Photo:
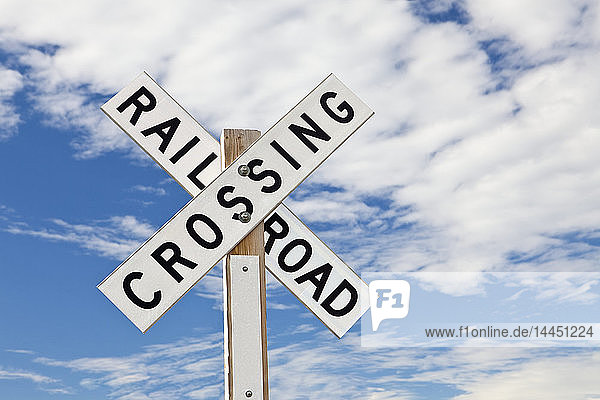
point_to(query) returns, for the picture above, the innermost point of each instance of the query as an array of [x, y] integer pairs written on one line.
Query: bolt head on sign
[[166, 266]]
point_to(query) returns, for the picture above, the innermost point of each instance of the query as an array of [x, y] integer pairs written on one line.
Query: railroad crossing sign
[[229, 204]]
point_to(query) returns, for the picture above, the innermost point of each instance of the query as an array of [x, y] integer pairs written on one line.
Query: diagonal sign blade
[[168, 133], [152, 279]]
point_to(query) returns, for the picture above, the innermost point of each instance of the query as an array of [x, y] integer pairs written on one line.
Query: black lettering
[[189, 226], [286, 250], [134, 100], [233, 202], [273, 234], [147, 305], [287, 156], [264, 174], [193, 176], [324, 270], [344, 106], [175, 258], [171, 126], [345, 285], [183, 151], [316, 132]]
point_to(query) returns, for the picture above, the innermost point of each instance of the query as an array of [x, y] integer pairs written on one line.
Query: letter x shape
[[185, 150]]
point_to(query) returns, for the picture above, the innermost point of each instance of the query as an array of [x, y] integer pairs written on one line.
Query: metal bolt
[[248, 393], [244, 216], [245, 269], [243, 170]]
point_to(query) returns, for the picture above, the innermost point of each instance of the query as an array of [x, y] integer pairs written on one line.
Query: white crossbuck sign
[[228, 204]]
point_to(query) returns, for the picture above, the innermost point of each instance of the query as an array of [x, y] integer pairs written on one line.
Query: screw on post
[[244, 217], [244, 170]]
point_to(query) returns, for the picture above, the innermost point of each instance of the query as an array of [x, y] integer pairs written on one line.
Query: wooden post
[[246, 366]]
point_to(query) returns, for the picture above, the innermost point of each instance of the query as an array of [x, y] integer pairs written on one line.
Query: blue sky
[[482, 156]]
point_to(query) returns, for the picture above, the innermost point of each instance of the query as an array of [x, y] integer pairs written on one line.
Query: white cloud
[[259, 62], [31, 376], [10, 82], [538, 26], [58, 391], [71, 105], [211, 286], [553, 379], [186, 368], [207, 392], [562, 287], [272, 305], [157, 191], [304, 328], [333, 208], [115, 237], [474, 183], [20, 351]]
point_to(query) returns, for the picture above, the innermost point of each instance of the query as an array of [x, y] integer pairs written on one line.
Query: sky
[[482, 156]]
